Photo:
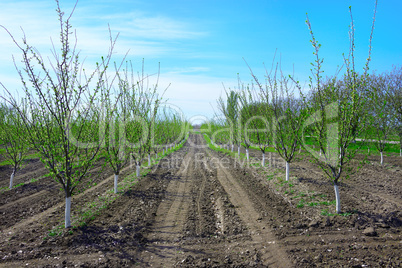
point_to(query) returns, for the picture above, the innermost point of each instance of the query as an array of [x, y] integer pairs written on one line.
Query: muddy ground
[[201, 208]]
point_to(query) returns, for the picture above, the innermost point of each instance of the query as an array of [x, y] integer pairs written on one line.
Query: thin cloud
[[189, 70], [136, 25]]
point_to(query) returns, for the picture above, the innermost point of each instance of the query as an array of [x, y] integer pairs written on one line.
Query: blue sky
[[201, 44]]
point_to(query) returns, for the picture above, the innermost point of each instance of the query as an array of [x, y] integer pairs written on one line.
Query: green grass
[[361, 146], [301, 203], [325, 212]]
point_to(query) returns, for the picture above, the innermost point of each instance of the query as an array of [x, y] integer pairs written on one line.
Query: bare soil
[[201, 208]]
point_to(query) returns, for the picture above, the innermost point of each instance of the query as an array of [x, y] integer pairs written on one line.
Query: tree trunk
[[149, 160], [263, 159], [238, 150], [12, 179], [337, 198], [138, 170], [287, 171], [247, 154], [232, 147], [382, 158], [116, 177], [67, 219]]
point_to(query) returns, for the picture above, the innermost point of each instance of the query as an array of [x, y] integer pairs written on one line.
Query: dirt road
[[192, 226]]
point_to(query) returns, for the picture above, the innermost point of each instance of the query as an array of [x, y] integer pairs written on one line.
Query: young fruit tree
[[230, 110], [13, 137], [61, 98], [336, 114], [219, 132], [256, 127], [382, 114], [250, 115], [115, 113], [285, 113], [142, 107], [394, 93]]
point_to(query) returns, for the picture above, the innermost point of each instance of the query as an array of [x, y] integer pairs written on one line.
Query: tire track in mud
[[262, 238], [200, 221], [170, 218], [208, 218]]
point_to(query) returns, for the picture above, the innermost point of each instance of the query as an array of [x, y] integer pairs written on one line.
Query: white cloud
[[145, 36], [195, 94], [138, 25]]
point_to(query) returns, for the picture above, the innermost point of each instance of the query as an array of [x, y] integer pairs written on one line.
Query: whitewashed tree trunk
[[12, 179], [232, 147], [116, 177], [382, 158], [247, 154], [287, 171], [138, 170], [67, 219], [149, 160], [238, 150], [300, 149], [337, 198], [263, 159]]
